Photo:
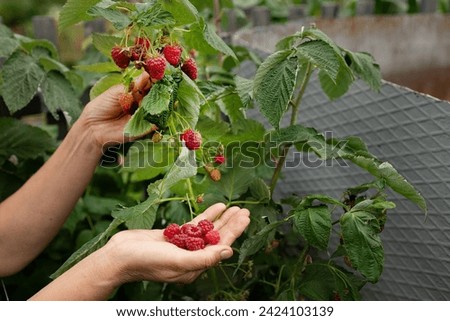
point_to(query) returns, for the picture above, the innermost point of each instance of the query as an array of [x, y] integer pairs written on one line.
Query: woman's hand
[[146, 255], [104, 118]]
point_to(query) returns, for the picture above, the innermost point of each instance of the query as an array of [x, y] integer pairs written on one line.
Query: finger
[[235, 227], [211, 213], [141, 87], [204, 259], [225, 217]]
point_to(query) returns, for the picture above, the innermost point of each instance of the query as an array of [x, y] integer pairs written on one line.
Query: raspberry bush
[[201, 148]]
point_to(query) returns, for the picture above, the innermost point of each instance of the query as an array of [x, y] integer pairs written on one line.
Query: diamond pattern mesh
[[412, 132]]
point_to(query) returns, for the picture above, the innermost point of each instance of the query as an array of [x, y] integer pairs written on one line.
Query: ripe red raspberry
[[191, 230], [172, 53], [192, 139], [121, 56], [155, 67], [194, 243], [179, 240], [219, 159], [215, 175], [190, 68], [137, 53], [206, 226], [142, 42], [171, 230], [126, 101], [212, 237]]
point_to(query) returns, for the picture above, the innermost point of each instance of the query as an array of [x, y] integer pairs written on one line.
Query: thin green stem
[[190, 207], [192, 195], [299, 97], [171, 199], [243, 202], [299, 267], [227, 278]]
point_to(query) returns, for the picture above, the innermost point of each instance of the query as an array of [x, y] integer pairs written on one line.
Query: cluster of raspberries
[[192, 237], [153, 63], [154, 60]]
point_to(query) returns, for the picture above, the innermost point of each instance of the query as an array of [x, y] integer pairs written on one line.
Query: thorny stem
[[295, 105], [299, 266]]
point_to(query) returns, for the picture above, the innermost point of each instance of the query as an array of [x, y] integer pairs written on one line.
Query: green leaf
[[50, 64], [321, 55], [212, 131], [256, 242], [274, 85], [144, 220], [158, 99], [127, 214], [58, 94], [140, 216], [9, 43], [259, 190], [335, 89], [235, 182], [314, 224], [23, 141], [23, 76], [190, 98], [105, 83], [288, 42], [39, 47], [118, 19], [230, 104], [360, 232], [203, 37], [291, 134], [317, 34], [364, 66], [99, 205], [88, 248], [246, 130], [104, 43], [184, 167], [392, 178], [215, 41], [182, 10], [75, 11], [353, 149], [137, 125], [146, 160], [244, 88], [308, 200], [321, 282], [152, 15]]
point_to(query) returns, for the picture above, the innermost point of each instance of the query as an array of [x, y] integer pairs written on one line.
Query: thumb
[[208, 257]]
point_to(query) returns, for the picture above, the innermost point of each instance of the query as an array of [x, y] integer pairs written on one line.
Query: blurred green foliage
[[19, 12]]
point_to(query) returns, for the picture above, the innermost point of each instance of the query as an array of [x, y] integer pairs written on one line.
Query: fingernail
[[226, 254]]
